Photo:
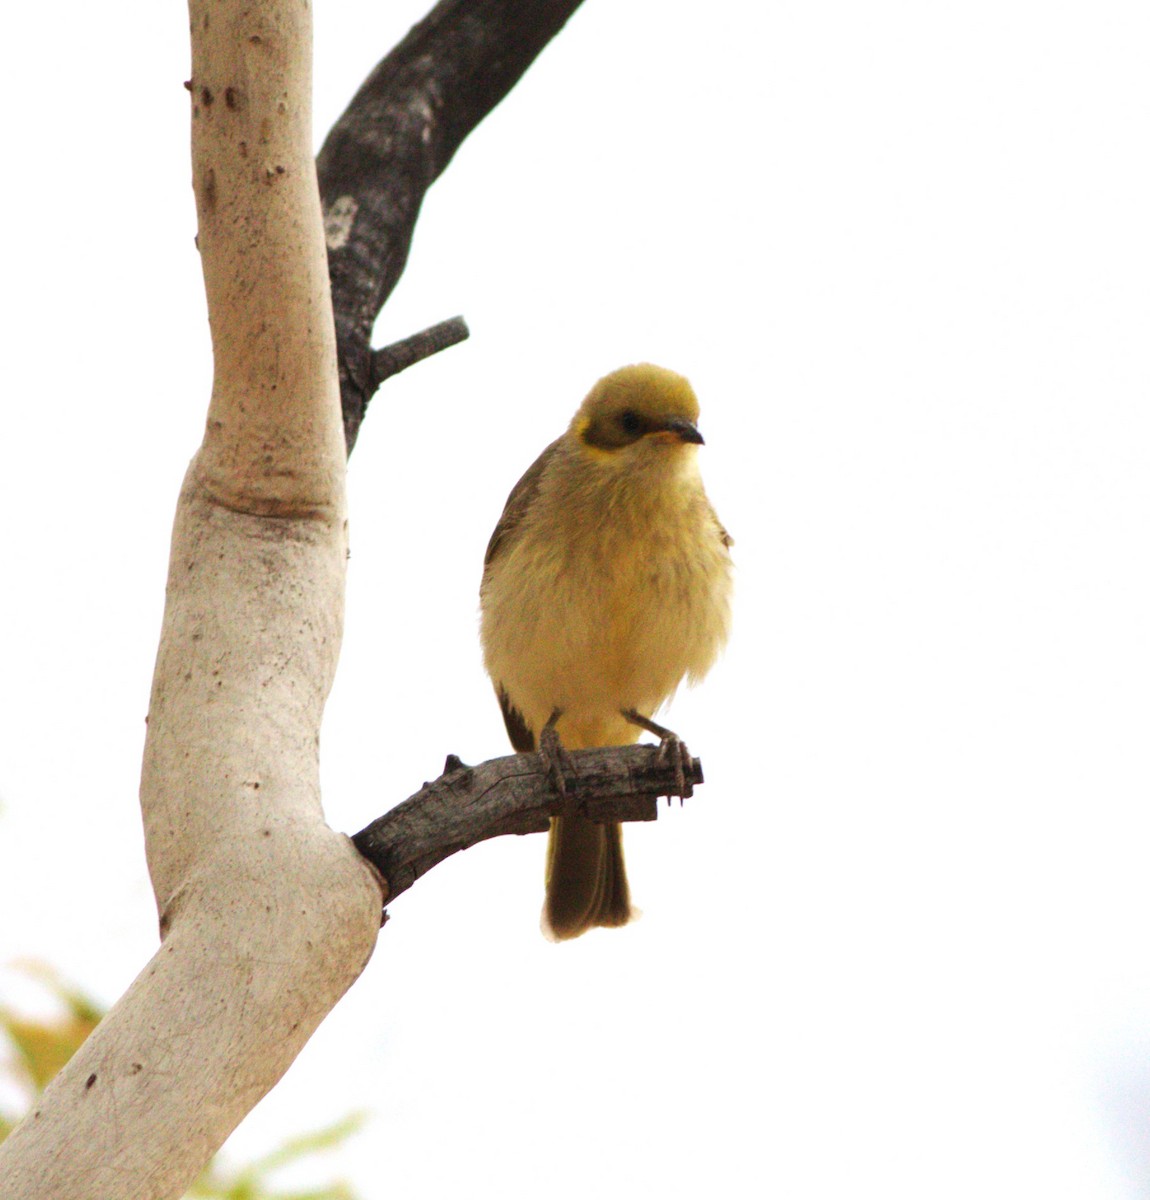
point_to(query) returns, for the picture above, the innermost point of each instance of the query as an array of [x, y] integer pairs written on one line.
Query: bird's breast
[[594, 618]]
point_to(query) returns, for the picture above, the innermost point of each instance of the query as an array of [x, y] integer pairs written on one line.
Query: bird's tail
[[586, 878]]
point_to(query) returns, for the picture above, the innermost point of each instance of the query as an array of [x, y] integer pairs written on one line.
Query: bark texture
[[517, 794], [267, 915], [397, 136]]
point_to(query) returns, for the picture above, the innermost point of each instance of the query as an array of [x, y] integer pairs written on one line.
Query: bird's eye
[[631, 422]]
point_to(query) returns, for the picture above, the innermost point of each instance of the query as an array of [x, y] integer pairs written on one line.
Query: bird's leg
[[555, 758], [670, 745]]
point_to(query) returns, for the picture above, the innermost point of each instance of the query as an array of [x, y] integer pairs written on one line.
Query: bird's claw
[[671, 746], [556, 760]]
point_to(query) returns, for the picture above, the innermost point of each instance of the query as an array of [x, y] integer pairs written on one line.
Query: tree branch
[[267, 915], [515, 794], [398, 134], [406, 353]]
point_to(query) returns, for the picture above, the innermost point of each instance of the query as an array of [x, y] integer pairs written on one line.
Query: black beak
[[685, 430]]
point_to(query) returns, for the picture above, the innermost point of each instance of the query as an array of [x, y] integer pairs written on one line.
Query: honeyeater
[[606, 583]]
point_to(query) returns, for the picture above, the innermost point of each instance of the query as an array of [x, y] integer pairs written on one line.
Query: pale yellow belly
[[598, 633]]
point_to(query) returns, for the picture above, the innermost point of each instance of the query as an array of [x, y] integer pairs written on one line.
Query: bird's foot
[[555, 758], [671, 746]]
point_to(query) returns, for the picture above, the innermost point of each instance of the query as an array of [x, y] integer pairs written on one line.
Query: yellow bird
[[606, 582]]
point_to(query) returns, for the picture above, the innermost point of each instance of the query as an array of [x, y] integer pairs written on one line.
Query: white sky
[[897, 945]]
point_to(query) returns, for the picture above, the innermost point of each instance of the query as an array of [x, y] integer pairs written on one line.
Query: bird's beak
[[683, 431]]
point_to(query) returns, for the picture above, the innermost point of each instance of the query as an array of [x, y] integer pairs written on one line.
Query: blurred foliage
[[251, 1182], [38, 1049], [32, 1051]]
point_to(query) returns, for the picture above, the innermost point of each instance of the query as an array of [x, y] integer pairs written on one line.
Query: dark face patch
[[613, 430]]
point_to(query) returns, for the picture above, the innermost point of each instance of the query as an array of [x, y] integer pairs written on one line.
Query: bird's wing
[[522, 739], [518, 503], [522, 494]]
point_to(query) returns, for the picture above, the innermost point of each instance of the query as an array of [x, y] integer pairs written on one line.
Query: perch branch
[[397, 135], [515, 794]]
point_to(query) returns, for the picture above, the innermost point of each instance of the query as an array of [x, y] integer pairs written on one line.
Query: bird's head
[[641, 410]]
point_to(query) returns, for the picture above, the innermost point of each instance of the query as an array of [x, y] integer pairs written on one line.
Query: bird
[[606, 583]]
